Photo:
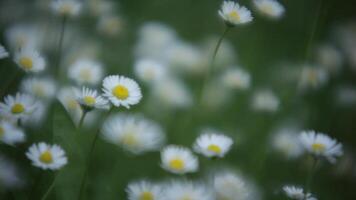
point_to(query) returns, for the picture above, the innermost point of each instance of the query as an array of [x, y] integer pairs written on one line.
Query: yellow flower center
[[2, 131], [146, 196], [129, 139], [214, 148], [177, 164], [89, 100], [234, 15], [17, 108], [46, 157], [85, 74], [26, 63], [120, 92], [318, 147]]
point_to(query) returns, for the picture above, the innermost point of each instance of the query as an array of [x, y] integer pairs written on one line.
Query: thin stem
[[60, 46], [82, 119], [48, 192], [311, 174], [90, 157]]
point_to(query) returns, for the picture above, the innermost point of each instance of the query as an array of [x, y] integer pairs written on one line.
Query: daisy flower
[[133, 133], [47, 156], [270, 8], [149, 70], [178, 160], [297, 193], [184, 190], [236, 78], [265, 101], [30, 60], [143, 190], [66, 8], [110, 25], [229, 185], [212, 144], [233, 14], [20, 36], [67, 97], [312, 77], [121, 91], [285, 141], [86, 72], [10, 134], [19, 106], [42, 88], [90, 99], [321, 145], [3, 52]]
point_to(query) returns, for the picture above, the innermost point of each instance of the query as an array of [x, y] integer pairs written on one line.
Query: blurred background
[[314, 39]]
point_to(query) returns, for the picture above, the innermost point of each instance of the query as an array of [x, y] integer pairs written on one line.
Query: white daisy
[[228, 185], [312, 77], [233, 14], [265, 100], [185, 190], [149, 70], [90, 99], [211, 144], [30, 60], [270, 8], [110, 25], [321, 145], [236, 78], [144, 190], [47, 156], [297, 193], [133, 133], [3, 52], [19, 106], [43, 88], [67, 97], [21, 36], [121, 91], [86, 71], [67, 8], [178, 160], [285, 141], [11, 134]]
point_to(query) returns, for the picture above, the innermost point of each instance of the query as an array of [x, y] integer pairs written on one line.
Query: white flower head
[[110, 25], [178, 160], [236, 78], [144, 190], [67, 97], [285, 141], [184, 190], [229, 185], [233, 14], [30, 60], [312, 77], [90, 99], [42, 88], [10, 134], [149, 70], [212, 144], [266, 101], [67, 8], [86, 72], [321, 145], [270, 8], [47, 156], [3, 52], [19, 106], [133, 133], [20, 36], [121, 91], [297, 193]]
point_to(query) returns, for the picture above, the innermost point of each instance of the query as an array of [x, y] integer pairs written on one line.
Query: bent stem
[[50, 188], [311, 174], [90, 157]]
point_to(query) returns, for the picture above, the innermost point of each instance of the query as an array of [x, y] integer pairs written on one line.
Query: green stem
[[60, 46], [311, 174], [82, 119], [50, 188]]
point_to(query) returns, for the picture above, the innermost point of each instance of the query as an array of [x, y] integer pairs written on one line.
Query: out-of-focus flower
[[265, 100], [10, 176], [149, 70], [144, 190], [321, 145], [67, 97], [270, 8], [285, 141], [110, 25], [184, 190], [42, 88], [236, 78], [38, 115], [312, 77], [66, 8], [10, 134], [345, 95], [178, 160], [3, 52], [21, 36], [121, 91], [347, 36], [47, 156], [212, 144], [329, 57], [86, 72], [133, 133], [19, 106], [297, 193], [233, 14], [90, 99], [30, 60], [101, 7], [226, 56]]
